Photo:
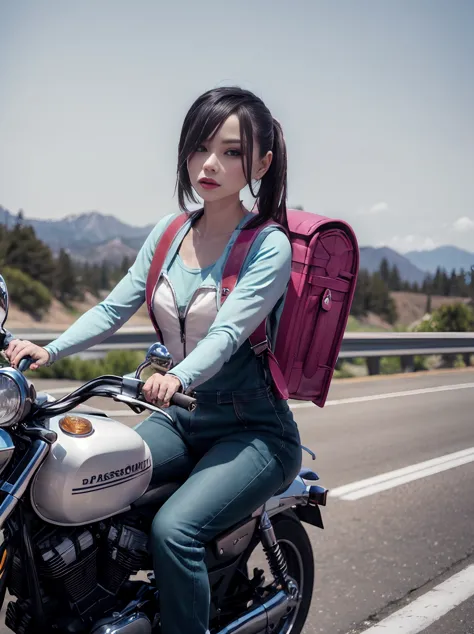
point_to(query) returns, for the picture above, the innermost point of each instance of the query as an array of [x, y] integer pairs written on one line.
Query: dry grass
[[411, 307], [59, 317]]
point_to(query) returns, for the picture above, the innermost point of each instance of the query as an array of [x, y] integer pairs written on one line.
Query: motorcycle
[[76, 507]]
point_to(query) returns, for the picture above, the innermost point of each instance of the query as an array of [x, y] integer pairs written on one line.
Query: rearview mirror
[[158, 358], [3, 304]]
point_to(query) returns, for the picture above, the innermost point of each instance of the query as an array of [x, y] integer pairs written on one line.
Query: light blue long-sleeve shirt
[[262, 282]]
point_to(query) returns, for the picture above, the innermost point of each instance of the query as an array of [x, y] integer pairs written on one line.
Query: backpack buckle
[[260, 348], [326, 302]]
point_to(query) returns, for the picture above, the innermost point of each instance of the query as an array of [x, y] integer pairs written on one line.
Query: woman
[[241, 444]]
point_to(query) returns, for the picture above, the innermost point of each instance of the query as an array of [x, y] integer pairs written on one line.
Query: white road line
[[424, 611], [391, 479], [380, 397]]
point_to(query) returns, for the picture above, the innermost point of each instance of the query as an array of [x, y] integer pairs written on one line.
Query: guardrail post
[[373, 365], [408, 363], [467, 359]]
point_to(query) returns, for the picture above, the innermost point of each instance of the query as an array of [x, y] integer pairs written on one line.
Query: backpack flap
[[325, 263]]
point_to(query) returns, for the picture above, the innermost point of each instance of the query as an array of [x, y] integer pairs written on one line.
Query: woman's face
[[215, 169]]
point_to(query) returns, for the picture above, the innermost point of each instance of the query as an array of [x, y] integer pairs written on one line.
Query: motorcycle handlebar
[[179, 399], [25, 364], [184, 401], [96, 386]]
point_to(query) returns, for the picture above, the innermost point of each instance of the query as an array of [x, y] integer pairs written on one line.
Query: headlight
[[14, 396]]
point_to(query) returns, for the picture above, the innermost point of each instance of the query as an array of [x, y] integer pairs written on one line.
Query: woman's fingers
[[150, 389], [159, 389], [168, 388], [155, 387], [19, 351], [12, 347], [19, 348]]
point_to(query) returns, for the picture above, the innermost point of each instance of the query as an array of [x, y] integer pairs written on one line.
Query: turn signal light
[[2, 563], [318, 495], [76, 426]]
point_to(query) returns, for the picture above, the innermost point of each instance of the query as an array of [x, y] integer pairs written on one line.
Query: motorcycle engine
[[85, 566]]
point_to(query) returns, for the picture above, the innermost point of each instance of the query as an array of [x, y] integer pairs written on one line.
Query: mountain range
[[90, 236], [96, 237], [447, 257]]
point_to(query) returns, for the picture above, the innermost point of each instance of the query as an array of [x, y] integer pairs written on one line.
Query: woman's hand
[[20, 348], [159, 389]]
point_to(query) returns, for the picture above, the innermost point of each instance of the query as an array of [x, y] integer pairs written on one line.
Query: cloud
[[411, 242], [463, 224], [378, 208]]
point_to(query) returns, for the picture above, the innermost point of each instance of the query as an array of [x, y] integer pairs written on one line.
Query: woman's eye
[[234, 153], [201, 148]]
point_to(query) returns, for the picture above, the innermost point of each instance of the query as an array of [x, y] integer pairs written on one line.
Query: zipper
[[200, 288], [151, 313], [180, 320]]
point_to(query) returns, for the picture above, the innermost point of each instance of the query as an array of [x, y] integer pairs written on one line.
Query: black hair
[[206, 116]]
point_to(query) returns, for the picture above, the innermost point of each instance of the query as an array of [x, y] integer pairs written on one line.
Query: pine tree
[[66, 287], [427, 286], [385, 270], [4, 235], [445, 284], [104, 276], [394, 282], [30, 255], [380, 302], [94, 282], [125, 265], [360, 302]]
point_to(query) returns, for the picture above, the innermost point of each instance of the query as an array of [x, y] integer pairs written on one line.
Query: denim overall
[[236, 450]]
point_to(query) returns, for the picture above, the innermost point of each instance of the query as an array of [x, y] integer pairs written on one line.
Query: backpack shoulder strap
[[237, 256], [162, 247], [258, 339]]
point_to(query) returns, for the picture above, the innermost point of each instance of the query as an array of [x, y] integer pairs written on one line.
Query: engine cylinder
[[71, 560], [126, 552]]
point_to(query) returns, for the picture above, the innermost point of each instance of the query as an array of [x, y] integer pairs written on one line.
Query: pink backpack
[[324, 268]]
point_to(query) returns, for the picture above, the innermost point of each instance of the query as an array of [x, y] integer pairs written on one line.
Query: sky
[[376, 99]]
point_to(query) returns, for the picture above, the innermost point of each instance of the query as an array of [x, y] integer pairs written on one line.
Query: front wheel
[[297, 550]]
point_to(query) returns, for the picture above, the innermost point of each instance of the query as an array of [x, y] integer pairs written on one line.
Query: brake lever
[[130, 401], [135, 405]]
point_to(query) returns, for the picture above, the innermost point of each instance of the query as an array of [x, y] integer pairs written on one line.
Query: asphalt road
[[387, 550]]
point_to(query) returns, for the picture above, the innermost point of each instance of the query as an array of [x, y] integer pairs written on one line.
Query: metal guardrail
[[399, 344], [355, 344]]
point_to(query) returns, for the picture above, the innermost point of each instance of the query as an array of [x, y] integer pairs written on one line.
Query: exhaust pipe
[[258, 620]]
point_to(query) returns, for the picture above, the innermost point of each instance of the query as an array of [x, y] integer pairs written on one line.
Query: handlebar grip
[[184, 401], [25, 364]]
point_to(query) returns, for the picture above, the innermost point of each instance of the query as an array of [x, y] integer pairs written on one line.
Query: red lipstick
[[208, 183]]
